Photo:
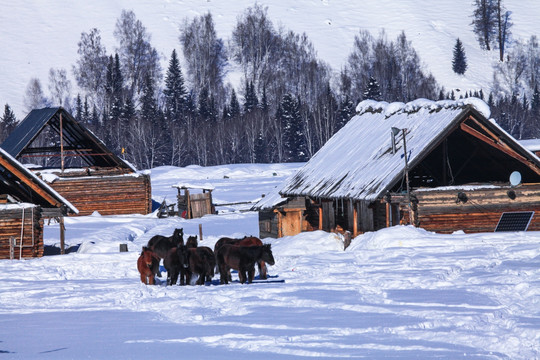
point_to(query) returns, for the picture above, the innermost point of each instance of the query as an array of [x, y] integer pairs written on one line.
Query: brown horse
[[245, 241], [243, 259], [175, 260], [202, 262], [148, 264]]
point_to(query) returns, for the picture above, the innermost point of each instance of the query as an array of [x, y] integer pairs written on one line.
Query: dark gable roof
[[76, 138]]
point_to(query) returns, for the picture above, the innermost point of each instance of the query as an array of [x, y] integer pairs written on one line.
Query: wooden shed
[[73, 161], [194, 201], [25, 200], [416, 163], [280, 216]]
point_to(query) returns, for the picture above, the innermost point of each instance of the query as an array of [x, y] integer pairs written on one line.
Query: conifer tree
[[260, 148], [346, 112], [148, 101], [175, 90], [373, 90], [250, 100], [459, 61], [79, 109], [8, 123], [234, 106], [293, 136]]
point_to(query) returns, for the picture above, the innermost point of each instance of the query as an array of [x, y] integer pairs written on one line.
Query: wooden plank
[[28, 181]]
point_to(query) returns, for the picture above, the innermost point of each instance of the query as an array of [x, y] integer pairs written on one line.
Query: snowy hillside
[[39, 35], [400, 293]]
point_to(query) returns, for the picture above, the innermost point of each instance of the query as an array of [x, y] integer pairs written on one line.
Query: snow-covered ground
[[39, 35], [398, 293]]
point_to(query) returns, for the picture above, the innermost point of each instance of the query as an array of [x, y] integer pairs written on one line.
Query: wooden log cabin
[[443, 166], [25, 201], [78, 165]]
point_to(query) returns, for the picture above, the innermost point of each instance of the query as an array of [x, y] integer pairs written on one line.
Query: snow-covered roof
[[30, 175], [358, 161], [531, 144], [271, 199], [206, 186]]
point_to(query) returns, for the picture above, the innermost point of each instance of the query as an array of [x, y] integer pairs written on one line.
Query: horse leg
[[223, 274], [242, 275], [251, 274], [200, 280], [151, 279], [262, 270]]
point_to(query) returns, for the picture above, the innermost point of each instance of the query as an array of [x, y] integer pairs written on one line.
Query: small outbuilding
[[443, 166], [74, 162], [25, 200]]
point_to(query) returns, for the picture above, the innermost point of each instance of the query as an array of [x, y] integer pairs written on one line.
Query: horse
[[201, 261], [243, 259], [175, 260], [245, 241], [148, 266], [192, 242], [160, 244]]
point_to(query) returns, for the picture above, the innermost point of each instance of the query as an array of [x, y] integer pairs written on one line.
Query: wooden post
[[61, 145], [355, 219], [62, 235], [388, 214], [320, 217], [407, 173], [188, 205], [279, 224], [200, 232], [12, 242]]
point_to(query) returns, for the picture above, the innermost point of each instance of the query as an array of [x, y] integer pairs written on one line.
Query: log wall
[[11, 221], [109, 195], [442, 211]]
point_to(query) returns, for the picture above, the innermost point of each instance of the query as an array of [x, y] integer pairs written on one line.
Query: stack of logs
[[12, 221], [108, 195]]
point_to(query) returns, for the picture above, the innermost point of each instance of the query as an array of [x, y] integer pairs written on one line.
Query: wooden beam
[[355, 217], [28, 181], [500, 146]]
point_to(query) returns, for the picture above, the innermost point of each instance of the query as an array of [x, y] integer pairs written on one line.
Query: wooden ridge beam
[[496, 143]]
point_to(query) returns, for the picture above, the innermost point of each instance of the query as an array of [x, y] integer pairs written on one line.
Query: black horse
[[202, 261], [162, 244], [243, 259], [175, 260], [192, 242]]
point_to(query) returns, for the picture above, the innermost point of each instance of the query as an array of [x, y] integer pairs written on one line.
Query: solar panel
[[514, 221]]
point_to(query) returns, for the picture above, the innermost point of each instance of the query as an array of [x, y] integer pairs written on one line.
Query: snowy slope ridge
[[39, 35], [400, 293]]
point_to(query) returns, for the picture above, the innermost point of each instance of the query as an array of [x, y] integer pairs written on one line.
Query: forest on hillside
[[290, 102]]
